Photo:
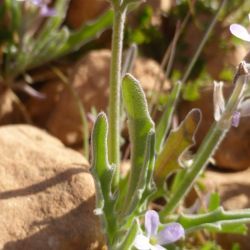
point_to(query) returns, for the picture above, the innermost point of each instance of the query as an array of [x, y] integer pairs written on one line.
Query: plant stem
[[82, 113], [202, 43], [115, 87], [211, 142]]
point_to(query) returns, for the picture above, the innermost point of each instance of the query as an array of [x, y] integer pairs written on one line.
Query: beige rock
[[234, 151], [11, 109], [90, 80], [47, 194], [40, 109], [234, 189]]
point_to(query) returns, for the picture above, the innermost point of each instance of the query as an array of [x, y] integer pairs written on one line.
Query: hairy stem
[[211, 142], [115, 87]]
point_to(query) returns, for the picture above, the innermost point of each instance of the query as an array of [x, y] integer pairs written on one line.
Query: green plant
[[31, 38], [156, 153]]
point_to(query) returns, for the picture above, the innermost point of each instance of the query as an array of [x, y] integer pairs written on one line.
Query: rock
[[12, 110], [90, 80], [47, 195], [234, 189], [80, 12], [40, 109], [234, 151]]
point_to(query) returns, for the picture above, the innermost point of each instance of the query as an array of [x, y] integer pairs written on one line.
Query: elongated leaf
[[178, 142], [87, 33], [129, 59], [100, 164], [103, 173], [131, 234], [165, 122], [217, 220], [144, 181], [15, 12], [53, 23], [140, 124]]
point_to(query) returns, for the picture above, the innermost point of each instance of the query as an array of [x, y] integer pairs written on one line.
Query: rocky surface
[[234, 151], [89, 78], [47, 194], [12, 110]]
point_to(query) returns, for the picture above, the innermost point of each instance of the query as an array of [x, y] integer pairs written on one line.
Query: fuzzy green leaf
[[88, 32], [144, 182], [140, 124], [100, 164], [178, 142], [103, 174]]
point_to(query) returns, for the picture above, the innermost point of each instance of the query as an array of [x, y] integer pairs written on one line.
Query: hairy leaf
[[140, 125], [103, 173], [88, 32]]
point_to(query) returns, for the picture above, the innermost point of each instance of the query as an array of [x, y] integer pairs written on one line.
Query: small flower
[[46, 11], [42, 5], [154, 239], [218, 98], [240, 31], [235, 119], [242, 111]]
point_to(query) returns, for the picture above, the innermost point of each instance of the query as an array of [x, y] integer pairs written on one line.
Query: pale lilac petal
[[31, 91], [46, 11], [245, 108], [142, 242], [158, 247], [240, 32], [37, 2], [219, 102], [236, 119], [151, 222], [171, 233]]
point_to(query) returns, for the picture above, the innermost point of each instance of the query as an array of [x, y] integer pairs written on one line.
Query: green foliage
[[217, 220], [140, 127], [178, 142], [103, 173], [210, 246], [30, 46], [121, 205], [164, 124], [214, 201], [135, 190], [144, 32]]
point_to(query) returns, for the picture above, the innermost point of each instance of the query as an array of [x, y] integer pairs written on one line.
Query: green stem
[[115, 88], [203, 41], [190, 222], [211, 142], [82, 113]]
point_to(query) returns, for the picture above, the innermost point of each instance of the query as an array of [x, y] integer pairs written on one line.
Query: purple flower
[[242, 111], [235, 119], [42, 5], [240, 31], [46, 11], [154, 240]]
